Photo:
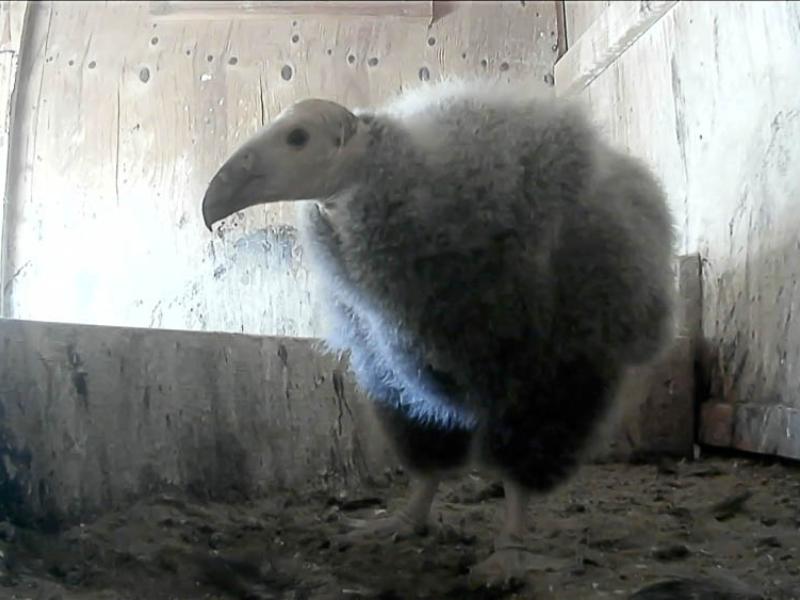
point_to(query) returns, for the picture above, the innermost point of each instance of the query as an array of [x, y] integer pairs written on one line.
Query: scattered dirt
[[613, 531]]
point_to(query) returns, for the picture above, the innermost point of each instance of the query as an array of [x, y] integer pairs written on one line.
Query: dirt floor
[[613, 530]]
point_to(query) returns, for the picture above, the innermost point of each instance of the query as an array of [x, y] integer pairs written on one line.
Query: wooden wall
[[579, 15], [707, 93], [122, 119], [13, 20], [92, 418]]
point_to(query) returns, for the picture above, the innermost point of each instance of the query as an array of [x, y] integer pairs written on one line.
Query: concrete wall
[[122, 117], [707, 93], [94, 417]]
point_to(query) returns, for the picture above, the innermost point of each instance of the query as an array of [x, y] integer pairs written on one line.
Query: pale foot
[[398, 526], [409, 522], [509, 567], [511, 563]]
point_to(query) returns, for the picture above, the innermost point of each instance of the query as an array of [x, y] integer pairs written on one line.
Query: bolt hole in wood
[[92, 64], [424, 74], [286, 73], [351, 59], [154, 41], [373, 62], [295, 38], [144, 74], [233, 61]]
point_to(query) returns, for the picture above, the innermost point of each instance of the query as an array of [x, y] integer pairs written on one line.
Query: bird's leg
[[410, 520], [514, 525], [420, 500], [510, 559]]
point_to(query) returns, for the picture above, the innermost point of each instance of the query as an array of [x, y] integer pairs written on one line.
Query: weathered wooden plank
[[94, 417], [690, 294], [13, 17], [716, 424], [12, 23], [731, 174], [655, 415], [579, 16], [561, 29], [188, 10], [656, 408], [759, 428], [8, 62], [612, 32], [125, 122]]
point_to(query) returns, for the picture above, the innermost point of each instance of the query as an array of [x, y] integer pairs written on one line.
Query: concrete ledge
[[93, 417]]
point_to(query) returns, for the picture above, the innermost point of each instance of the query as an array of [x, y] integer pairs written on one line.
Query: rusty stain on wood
[[758, 428], [716, 424]]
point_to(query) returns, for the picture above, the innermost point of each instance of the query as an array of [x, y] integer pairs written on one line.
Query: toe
[[383, 529], [510, 567]]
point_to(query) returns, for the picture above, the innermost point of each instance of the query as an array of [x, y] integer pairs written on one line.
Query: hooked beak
[[239, 184]]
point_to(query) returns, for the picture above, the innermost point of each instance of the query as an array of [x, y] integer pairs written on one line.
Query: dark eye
[[297, 138]]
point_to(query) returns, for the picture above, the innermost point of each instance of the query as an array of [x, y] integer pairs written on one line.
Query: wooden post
[[612, 33], [183, 10], [14, 17]]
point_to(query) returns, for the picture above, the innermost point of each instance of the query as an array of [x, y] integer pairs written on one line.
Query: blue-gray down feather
[[486, 240]]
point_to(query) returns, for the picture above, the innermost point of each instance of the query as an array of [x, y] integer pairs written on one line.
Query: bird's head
[[304, 154]]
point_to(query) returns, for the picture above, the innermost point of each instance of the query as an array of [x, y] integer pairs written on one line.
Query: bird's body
[[488, 252], [492, 267]]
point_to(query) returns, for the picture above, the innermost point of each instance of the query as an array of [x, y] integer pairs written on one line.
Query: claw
[[509, 566], [396, 527]]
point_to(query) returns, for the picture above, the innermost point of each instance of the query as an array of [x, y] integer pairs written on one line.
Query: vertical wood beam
[[14, 24], [614, 31]]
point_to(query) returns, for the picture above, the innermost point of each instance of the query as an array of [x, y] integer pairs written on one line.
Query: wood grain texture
[[13, 17], [613, 31], [752, 427], [656, 413], [95, 417], [125, 120], [186, 10], [708, 98], [579, 16], [12, 23]]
